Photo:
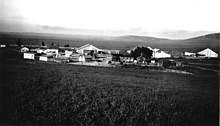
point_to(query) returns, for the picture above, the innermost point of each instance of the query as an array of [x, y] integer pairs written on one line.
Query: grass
[[34, 92]]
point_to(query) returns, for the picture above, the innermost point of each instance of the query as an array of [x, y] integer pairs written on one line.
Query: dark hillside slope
[[116, 42], [208, 41]]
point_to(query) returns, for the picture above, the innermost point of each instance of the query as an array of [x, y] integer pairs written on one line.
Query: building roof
[[66, 48], [206, 50], [24, 48], [208, 53], [30, 53], [86, 46]]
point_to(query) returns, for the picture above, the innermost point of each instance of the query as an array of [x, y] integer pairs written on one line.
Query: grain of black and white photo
[[109, 62]]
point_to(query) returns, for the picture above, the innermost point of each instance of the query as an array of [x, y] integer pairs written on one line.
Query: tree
[[43, 44], [18, 42], [66, 45], [142, 52]]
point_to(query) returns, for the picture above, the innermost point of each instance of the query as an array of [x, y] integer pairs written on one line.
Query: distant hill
[[116, 42], [207, 41]]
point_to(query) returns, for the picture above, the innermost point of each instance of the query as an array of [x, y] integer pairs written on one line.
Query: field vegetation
[[34, 92]]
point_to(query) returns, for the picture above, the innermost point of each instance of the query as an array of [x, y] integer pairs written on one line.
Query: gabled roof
[[24, 48], [86, 46], [208, 53], [206, 50]]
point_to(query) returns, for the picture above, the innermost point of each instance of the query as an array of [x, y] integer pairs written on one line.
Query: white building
[[189, 54], [208, 53], [24, 49], [51, 51], [87, 48], [28, 56], [2, 46], [47, 51], [46, 58], [157, 53]]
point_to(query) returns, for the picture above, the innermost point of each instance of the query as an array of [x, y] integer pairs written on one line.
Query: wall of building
[[28, 56], [43, 58]]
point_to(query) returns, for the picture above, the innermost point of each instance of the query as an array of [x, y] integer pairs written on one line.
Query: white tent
[[208, 53], [189, 54], [157, 53], [24, 49], [82, 49], [161, 54]]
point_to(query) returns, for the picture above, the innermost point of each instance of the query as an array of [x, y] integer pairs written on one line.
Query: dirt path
[[205, 64], [202, 68]]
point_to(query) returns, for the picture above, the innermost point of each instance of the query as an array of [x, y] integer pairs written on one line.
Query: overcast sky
[[142, 16]]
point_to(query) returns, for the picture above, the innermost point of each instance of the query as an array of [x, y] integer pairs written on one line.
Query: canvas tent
[[208, 53], [189, 54], [84, 58], [157, 53], [86, 48], [24, 49]]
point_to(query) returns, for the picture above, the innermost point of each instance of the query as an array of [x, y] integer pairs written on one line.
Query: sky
[[111, 17]]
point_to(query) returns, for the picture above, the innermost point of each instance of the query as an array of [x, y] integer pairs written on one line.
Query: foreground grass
[[40, 93]]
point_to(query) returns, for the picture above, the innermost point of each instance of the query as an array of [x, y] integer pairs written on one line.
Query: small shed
[[29, 55], [172, 63], [2, 46], [46, 58], [24, 49]]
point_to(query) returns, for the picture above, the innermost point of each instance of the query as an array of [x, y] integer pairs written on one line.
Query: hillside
[[208, 41], [116, 42]]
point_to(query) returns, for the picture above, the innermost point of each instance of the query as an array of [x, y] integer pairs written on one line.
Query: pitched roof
[[208, 52], [86, 46]]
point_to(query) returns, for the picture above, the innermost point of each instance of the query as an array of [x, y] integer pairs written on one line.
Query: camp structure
[[208, 53], [28, 55], [87, 48], [24, 49], [189, 54], [2, 46], [46, 58], [157, 53]]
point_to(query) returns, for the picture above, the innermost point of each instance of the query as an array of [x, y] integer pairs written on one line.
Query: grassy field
[[202, 67], [34, 92]]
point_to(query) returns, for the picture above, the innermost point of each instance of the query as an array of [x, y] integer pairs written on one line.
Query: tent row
[[206, 53]]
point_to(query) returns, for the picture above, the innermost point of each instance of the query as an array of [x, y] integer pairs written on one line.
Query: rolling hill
[[116, 42]]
